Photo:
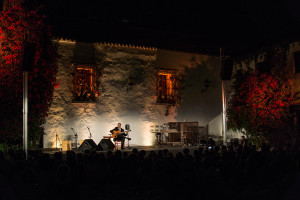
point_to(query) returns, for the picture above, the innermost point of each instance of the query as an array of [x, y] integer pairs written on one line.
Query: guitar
[[116, 133]]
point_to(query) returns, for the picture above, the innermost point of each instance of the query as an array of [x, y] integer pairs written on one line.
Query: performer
[[119, 134]]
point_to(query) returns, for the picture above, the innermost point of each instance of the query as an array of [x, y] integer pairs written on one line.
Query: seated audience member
[[211, 142], [244, 142], [203, 141]]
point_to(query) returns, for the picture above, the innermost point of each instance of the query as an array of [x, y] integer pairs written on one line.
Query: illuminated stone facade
[[124, 82]]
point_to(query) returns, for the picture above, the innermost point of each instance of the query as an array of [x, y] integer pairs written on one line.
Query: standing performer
[[119, 134]]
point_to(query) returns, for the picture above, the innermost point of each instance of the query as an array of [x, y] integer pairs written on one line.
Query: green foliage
[[4, 147]]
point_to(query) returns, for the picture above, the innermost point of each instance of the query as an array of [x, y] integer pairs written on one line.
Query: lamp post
[[224, 113], [226, 72], [223, 102], [25, 113], [27, 65]]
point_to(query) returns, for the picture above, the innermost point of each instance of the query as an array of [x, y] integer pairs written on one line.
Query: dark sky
[[239, 26]]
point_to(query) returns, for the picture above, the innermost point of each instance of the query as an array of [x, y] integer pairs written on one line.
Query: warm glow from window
[[85, 87], [89, 72], [167, 83], [166, 87]]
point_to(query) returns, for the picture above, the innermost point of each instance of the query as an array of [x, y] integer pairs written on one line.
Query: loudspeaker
[[28, 56], [226, 68], [88, 144], [105, 145]]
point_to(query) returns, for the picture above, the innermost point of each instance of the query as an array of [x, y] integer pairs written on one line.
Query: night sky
[[203, 26]]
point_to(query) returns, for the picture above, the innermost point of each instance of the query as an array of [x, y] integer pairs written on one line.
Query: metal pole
[[223, 104], [56, 139], [224, 113], [25, 113]]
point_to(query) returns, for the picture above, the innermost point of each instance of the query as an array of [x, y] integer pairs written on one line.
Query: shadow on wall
[[201, 92]]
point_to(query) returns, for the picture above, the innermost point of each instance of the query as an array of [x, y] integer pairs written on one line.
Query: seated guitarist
[[119, 134]]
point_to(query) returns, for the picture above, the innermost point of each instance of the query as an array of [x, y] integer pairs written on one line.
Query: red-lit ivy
[[260, 104], [14, 23]]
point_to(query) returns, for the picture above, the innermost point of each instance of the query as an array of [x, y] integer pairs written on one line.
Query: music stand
[[76, 137]]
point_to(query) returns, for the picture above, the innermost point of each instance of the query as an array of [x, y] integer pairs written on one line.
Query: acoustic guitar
[[116, 133]]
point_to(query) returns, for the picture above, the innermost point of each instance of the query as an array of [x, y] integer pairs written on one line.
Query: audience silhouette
[[209, 174]]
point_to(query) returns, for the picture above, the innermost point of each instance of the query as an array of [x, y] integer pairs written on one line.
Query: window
[[85, 84], [166, 87], [263, 67], [297, 61]]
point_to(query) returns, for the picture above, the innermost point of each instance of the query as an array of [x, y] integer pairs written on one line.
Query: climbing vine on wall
[[260, 104], [17, 23]]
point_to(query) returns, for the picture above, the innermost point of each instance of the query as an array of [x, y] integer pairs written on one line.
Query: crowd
[[217, 173]]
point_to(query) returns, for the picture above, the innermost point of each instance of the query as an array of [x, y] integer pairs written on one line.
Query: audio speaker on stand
[[226, 68], [28, 56], [105, 145], [87, 144]]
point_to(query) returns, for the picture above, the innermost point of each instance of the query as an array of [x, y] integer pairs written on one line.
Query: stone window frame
[[263, 67], [168, 94], [297, 62], [90, 93]]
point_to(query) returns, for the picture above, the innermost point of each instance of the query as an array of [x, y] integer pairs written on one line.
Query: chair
[[118, 143], [158, 139]]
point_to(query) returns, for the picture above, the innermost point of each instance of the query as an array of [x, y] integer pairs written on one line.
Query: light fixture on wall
[[131, 81], [207, 84]]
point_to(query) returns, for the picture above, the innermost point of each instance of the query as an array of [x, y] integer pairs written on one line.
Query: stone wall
[[135, 103]]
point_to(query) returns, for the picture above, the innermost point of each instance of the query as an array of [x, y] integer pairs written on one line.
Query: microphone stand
[[75, 135], [57, 139], [56, 136], [90, 132]]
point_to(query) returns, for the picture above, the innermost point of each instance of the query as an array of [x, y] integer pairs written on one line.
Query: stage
[[173, 149]]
